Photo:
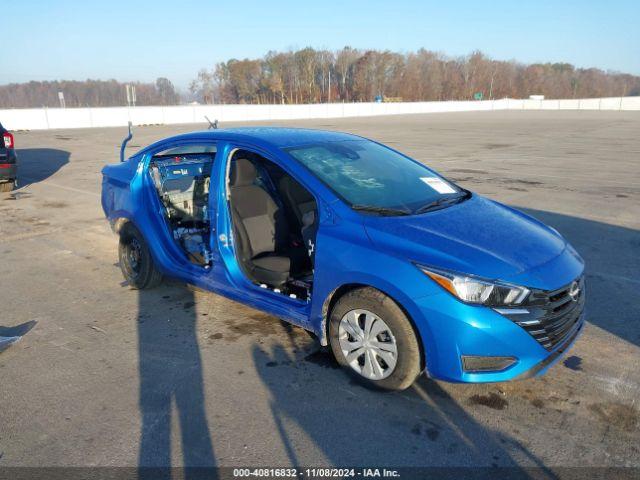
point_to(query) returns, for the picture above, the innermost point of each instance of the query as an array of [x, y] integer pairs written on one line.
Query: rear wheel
[[6, 186], [135, 258], [372, 337]]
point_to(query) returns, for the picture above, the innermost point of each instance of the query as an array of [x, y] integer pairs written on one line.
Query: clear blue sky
[[141, 40]]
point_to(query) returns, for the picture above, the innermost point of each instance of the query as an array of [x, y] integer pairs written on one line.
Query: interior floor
[[182, 181]]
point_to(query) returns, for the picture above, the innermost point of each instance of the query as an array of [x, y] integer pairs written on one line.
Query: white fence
[[46, 118]]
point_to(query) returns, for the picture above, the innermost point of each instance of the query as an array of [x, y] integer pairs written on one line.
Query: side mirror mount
[[124, 143]]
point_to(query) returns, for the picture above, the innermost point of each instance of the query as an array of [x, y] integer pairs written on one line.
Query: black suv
[[8, 157]]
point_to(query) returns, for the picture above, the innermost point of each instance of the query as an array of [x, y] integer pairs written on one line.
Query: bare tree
[[88, 93], [204, 86], [344, 63]]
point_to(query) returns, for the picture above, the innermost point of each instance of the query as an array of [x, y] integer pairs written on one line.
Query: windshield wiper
[[380, 210], [443, 201]]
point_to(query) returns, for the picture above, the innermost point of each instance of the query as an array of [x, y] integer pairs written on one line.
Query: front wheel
[[372, 337], [136, 261]]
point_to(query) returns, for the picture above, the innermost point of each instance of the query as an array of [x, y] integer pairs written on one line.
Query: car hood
[[478, 236]]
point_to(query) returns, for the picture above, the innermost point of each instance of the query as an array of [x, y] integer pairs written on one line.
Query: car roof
[[279, 137]]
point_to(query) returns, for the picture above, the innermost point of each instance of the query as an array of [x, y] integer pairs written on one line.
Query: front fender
[[346, 257]]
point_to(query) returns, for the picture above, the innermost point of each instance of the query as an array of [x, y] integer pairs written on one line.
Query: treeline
[[347, 75], [88, 93], [351, 75]]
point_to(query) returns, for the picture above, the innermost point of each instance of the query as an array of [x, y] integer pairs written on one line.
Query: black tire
[[6, 186], [408, 361], [136, 261]]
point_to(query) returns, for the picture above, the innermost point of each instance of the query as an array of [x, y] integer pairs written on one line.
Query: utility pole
[[329, 92], [491, 86], [322, 70], [131, 95]]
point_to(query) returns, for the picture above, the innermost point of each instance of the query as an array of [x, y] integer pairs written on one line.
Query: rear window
[[187, 150]]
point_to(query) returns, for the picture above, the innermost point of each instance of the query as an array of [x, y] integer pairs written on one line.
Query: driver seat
[[259, 226]]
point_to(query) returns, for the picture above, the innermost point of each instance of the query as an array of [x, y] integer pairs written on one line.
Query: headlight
[[472, 289]]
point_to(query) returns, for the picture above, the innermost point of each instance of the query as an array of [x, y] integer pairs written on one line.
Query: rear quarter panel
[[116, 190]]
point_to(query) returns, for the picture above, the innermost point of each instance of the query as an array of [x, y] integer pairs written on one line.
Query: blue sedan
[[398, 269]]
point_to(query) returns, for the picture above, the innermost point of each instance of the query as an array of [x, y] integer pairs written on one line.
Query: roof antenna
[[212, 125], [124, 143]]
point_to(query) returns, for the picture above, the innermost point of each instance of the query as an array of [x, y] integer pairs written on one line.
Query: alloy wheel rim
[[368, 344]]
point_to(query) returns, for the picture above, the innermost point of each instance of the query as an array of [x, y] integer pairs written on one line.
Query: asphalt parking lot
[[220, 383]]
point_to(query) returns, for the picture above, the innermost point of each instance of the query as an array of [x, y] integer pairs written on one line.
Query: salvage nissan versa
[[398, 269]]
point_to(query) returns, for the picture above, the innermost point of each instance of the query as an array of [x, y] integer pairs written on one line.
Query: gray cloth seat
[[297, 198], [259, 226], [300, 207], [271, 269]]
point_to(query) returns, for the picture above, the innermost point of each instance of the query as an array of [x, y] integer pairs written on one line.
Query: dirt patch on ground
[[260, 325], [55, 204], [537, 402], [525, 182], [619, 415], [467, 170], [493, 400], [494, 146]]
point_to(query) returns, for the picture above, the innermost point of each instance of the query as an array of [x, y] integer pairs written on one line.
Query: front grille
[[552, 315]]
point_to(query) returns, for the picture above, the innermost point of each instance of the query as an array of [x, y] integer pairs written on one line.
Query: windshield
[[374, 178]]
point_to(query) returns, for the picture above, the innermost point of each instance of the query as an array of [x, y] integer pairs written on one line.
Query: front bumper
[[554, 356], [451, 329]]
